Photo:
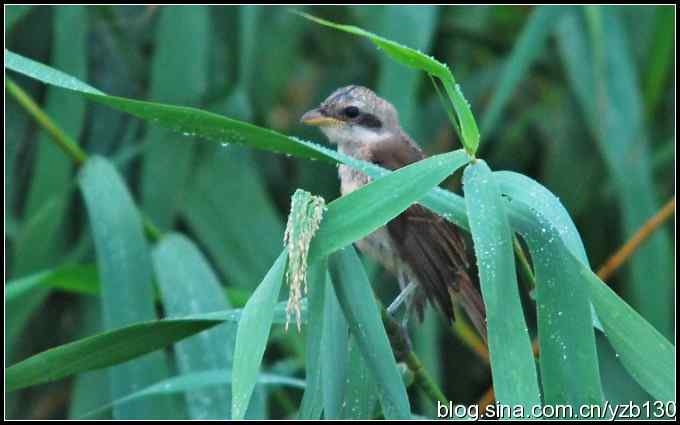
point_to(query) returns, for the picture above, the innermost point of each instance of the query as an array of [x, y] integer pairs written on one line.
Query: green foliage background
[[539, 81]]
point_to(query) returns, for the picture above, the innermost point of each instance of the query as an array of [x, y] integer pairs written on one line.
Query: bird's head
[[354, 115]]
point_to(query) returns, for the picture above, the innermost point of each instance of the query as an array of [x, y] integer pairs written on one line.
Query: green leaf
[[228, 182], [530, 192], [102, 350], [529, 45], [644, 352], [83, 399], [418, 60], [607, 91], [356, 214], [195, 383], [189, 286], [318, 282], [334, 359], [14, 14], [397, 83], [118, 346], [660, 59], [358, 305], [52, 171], [512, 362], [76, 278], [361, 393], [251, 336], [180, 59], [568, 360], [125, 273]]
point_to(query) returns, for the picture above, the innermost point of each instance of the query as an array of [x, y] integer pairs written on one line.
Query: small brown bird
[[425, 252]]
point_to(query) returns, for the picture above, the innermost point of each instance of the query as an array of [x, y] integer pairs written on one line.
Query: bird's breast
[[377, 245]]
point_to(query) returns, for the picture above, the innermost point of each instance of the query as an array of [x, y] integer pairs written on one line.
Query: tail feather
[[470, 298]]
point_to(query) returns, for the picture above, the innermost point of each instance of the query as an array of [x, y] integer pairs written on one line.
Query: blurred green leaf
[[358, 305], [77, 278], [14, 14], [613, 106], [125, 273], [189, 286], [660, 59], [512, 362], [52, 171], [251, 336], [529, 45], [228, 184], [83, 399], [178, 75], [396, 83]]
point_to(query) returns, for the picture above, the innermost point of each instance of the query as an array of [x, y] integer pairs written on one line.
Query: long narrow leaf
[[512, 362], [251, 336], [312, 400], [530, 44], [568, 360], [125, 271], [189, 286], [334, 356], [118, 346], [358, 304], [195, 382]]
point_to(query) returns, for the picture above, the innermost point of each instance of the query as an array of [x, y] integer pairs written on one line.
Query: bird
[[425, 252]]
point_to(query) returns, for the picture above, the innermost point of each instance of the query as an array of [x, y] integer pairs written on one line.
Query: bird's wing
[[432, 247]]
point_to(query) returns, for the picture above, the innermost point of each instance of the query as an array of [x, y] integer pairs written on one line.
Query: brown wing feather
[[430, 245]]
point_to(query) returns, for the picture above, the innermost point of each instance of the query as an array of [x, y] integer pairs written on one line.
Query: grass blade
[[251, 336], [360, 396], [529, 191], [512, 362], [196, 382], [125, 273], [180, 59], [334, 360], [312, 400], [530, 44], [41, 240], [119, 345], [358, 305], [568, 360], [644, 352], [75, 278], [228, 180], [189, 286], [607, 92]]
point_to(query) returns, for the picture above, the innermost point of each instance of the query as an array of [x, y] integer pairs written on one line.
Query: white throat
[[354, 135]]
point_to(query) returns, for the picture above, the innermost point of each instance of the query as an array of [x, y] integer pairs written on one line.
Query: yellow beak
[[316, 118]]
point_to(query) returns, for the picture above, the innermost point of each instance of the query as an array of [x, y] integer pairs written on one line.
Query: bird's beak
[[317, 118]]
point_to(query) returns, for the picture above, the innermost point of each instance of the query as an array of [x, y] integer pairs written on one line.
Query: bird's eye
[[351, 111]]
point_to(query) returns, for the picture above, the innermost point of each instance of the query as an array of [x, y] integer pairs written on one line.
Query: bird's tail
[[470, 298]]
